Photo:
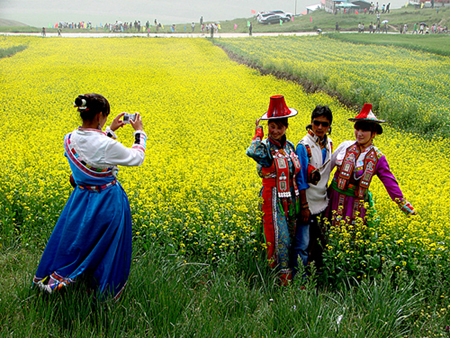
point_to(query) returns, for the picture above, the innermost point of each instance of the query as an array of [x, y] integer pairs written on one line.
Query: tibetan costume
[[277, 165], [92, 238], [349, 190]]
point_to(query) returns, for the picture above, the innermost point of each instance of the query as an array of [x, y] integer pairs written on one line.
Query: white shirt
[[101, 151], [316, 195]]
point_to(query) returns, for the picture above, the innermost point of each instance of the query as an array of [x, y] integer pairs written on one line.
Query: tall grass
[[19, 29], [168, 297]]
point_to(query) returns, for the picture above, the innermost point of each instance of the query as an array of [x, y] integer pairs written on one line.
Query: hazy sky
[[42, 12]]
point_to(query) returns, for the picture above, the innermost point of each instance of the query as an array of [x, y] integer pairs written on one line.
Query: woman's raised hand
[[117, 122], [257, 123], [137, 123], [258, 130]]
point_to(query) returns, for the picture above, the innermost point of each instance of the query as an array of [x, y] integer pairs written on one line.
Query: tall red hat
[[366, 114], [278, 109]]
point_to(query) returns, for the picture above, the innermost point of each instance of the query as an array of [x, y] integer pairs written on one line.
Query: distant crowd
[[117, 26], [421, 28], [135, 26]]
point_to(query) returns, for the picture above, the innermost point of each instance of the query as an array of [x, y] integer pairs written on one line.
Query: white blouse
[[101, 151]]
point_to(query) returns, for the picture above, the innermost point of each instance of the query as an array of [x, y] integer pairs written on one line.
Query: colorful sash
[[97, 188], [282, 168], [370, 162], [282, 180], [348, 165], [298, 167]]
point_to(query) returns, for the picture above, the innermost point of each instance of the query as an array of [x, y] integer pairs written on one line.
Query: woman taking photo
[[278, 165], [92, 238], [357, 162]]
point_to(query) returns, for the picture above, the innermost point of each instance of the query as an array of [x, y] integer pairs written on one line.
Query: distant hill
[[11, 23]]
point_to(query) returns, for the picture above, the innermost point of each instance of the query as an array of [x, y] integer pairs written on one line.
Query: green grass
[[19, 29], [7, 52], [167, 297]]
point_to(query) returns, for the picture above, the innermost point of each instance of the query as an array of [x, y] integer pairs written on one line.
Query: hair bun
[[81, 102]]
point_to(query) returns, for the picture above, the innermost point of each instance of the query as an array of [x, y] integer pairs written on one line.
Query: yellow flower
[[203, 189]]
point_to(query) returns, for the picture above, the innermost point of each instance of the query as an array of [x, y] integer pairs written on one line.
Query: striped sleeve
[[117, 154], [140, 141]]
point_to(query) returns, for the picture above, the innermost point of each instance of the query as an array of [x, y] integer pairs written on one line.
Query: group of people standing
[[374, 8], [295, 190], [91, 241]]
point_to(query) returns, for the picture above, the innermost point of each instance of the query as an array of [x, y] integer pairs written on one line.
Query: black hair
[[324, 111], [280, 122], [89, 105], [369, 126]]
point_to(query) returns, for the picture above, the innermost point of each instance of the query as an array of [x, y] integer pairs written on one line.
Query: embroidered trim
[[297, 167], [82, 165], [282, 168], [308, 150], [406, 207], [275, 227], [97, 188], [340, 209], [51, 283], [355, 208], [370, 162], [348, 165], [272, 176]]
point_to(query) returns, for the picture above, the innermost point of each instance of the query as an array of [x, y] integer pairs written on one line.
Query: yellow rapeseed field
[[196, 191]]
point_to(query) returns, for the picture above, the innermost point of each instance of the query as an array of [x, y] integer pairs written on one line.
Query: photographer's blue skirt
[[91, 241]]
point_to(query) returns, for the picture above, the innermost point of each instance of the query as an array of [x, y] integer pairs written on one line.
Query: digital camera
[[127, 117]]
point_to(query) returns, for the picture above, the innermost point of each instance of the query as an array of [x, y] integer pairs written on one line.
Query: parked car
[[274, 19], [279, 12], [262, 16]]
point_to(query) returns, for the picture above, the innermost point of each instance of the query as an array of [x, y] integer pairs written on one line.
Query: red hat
[[278, 109], [366, 114]]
